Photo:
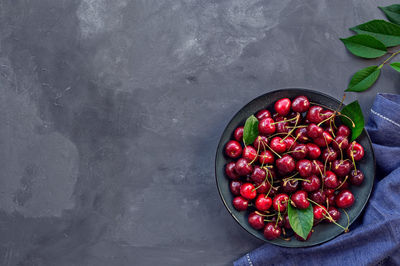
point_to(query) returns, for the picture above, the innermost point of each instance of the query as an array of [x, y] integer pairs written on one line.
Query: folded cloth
[[375, 237]]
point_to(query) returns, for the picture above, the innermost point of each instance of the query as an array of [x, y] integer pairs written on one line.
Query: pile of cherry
[[301, 156]]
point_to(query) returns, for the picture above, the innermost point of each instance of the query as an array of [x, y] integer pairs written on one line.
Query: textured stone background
[[111, 111]]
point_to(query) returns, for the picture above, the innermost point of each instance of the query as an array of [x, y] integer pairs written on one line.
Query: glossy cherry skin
[[356, 177], [334, 213], [282, 126], [301, 134], [263, 203], [327, 115], [330, 180], [319, 212], [304, 168], [290, 186], [256, 221], [267, 126], [329, 154], [233, 149], [230, 171], [293, 115], [299, 151], [317, 167], [340, 143], [258, 174], [247, 191], [282, 106], [325, 139], [234, 186], [263, 187], [356, 150], [240, 203], [343, 185], [313, 151], [343, 131], [331, 199], [286, 164], [341, 168], [313, 183], [300, 104], [280, 223], [271, 231], [238, 134], [314, 131], [278, 145], [299, 199], [260, 143], [314, 114], [290, 143], [318, 196], [262, 114], [243, 167], [266, 157], [280, 202], [249, 153], [286, 223], [344, 199]]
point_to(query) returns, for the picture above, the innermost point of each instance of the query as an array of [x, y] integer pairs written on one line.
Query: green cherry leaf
[[365, 46], [250, 131], [364, 79], [388, 33], [392, 13], [301, 221], [356, 124], [396, 66]]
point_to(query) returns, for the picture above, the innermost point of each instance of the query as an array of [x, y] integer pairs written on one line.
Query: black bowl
[[324, 231]]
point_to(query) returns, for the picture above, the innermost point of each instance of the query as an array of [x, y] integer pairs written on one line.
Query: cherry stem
[[344, 181], [340, 148], [273, 151], [291, 131], [388, 59], [265, 215], [320, 123], [330, 125], [285, 120], [348, 220], [301, 126], [352, 157]]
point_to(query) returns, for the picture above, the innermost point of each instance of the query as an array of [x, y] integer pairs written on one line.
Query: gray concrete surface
[[111, 110]]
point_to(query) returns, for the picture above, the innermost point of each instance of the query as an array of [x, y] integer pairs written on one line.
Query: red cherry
[[282, 106], [289, 142], [313, 151], [340, 143], [319, 212], [267, 126], [260, 143], [238, 134], [330, 180], [290, 186], [278, 145], [234, 186], [230, 171], [286, 164], [324, 140], [299, 151], [258, 175], [312, 184], [341, 167], [329, 154], [271, 231], [266, 157], [249, 153], [263, 203], [299, 199], [314, 114], [240, 203], [256, 221], [233, 149], [356, 177], [243, 167], [282, 127], [287, 222], [344, 199], [355, 150], [263, 187], [343, 131], [280, 202], [300, 104], [301, 134], [317, 167], [304, 168], [314, 131], [247, 191], [318, 196], [334, 213], [262, 114]]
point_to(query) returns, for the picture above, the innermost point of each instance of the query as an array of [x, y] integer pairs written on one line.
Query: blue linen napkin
[[375, 238]]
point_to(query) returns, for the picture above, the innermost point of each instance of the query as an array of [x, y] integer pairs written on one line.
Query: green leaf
[[353, 111], [301, 221], [365, 46], [388, 33], [392, 13], [364, 78], [250, 131], [396, 66]]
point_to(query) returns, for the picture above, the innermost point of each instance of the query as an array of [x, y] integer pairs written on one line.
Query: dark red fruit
[[290, 186], [340, 143], [304, 168], [314, 131], [230, 171], [299, 151], [343, 131], [263, 203], [286, 164], [318, 196], [324, 140], [344, 199], [334, 213], [260, 143], [256, 221], [343, 185], [278, 145], [238, 134], [317, 167], [262, 114], [319, 212], [258, 175], [280, 202], [267, 126], [287, 222], [327, 115], [299, 199], [312, 184], [266, 157], [313, 151], [271, 231], [331, 200], [247, 191], [301, 134], [243, 167], [293, 115], [280, 223], [330, 180], [240, 203], [263, 187], [282, 126], [249, 153], [329, 154], [314, 114], [341, 167], [300, 104], [234, 186], [282, 106], [355, 150], [356, 177], [289, 143], [233, 149]]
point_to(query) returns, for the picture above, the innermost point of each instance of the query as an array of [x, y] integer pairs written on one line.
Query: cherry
[[331, 200], [301, 238], [314, 114], [274, 191], [300, 104], [329, 191], [290, 186], [256, 221], [243, 167], [340, 143], [282, 106], [356, 177], [329, 154], [293, 115], [287, 222], [230, 171], [260, 142], [329, 130], [263, 203], [262, 114], [286, 164], [238, 134], [334, 213], [313, 151], [271, 231], [344, 184], [267, 126], [314, 131], [233, 149], [355, 150], [299, 199], [299, 151], [280, 222], [280, 202], [277, 145], [317, 167], [266, 157], [312, 184], [324, 140], [330, 180], [326, 114], [240, 203], [234, 186], [258, 175], [301, 134], [304, 168], [263, 187], [247, 191], [282, 127], [249, 153], [344, 199], [289, 142], [341, 167], [318, 196], [343, 131], [319, 212]]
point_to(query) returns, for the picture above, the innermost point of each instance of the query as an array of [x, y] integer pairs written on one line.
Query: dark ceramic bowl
[[324, 231]]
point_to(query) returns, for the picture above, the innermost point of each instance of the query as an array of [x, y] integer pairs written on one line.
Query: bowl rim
[[224, 201]]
